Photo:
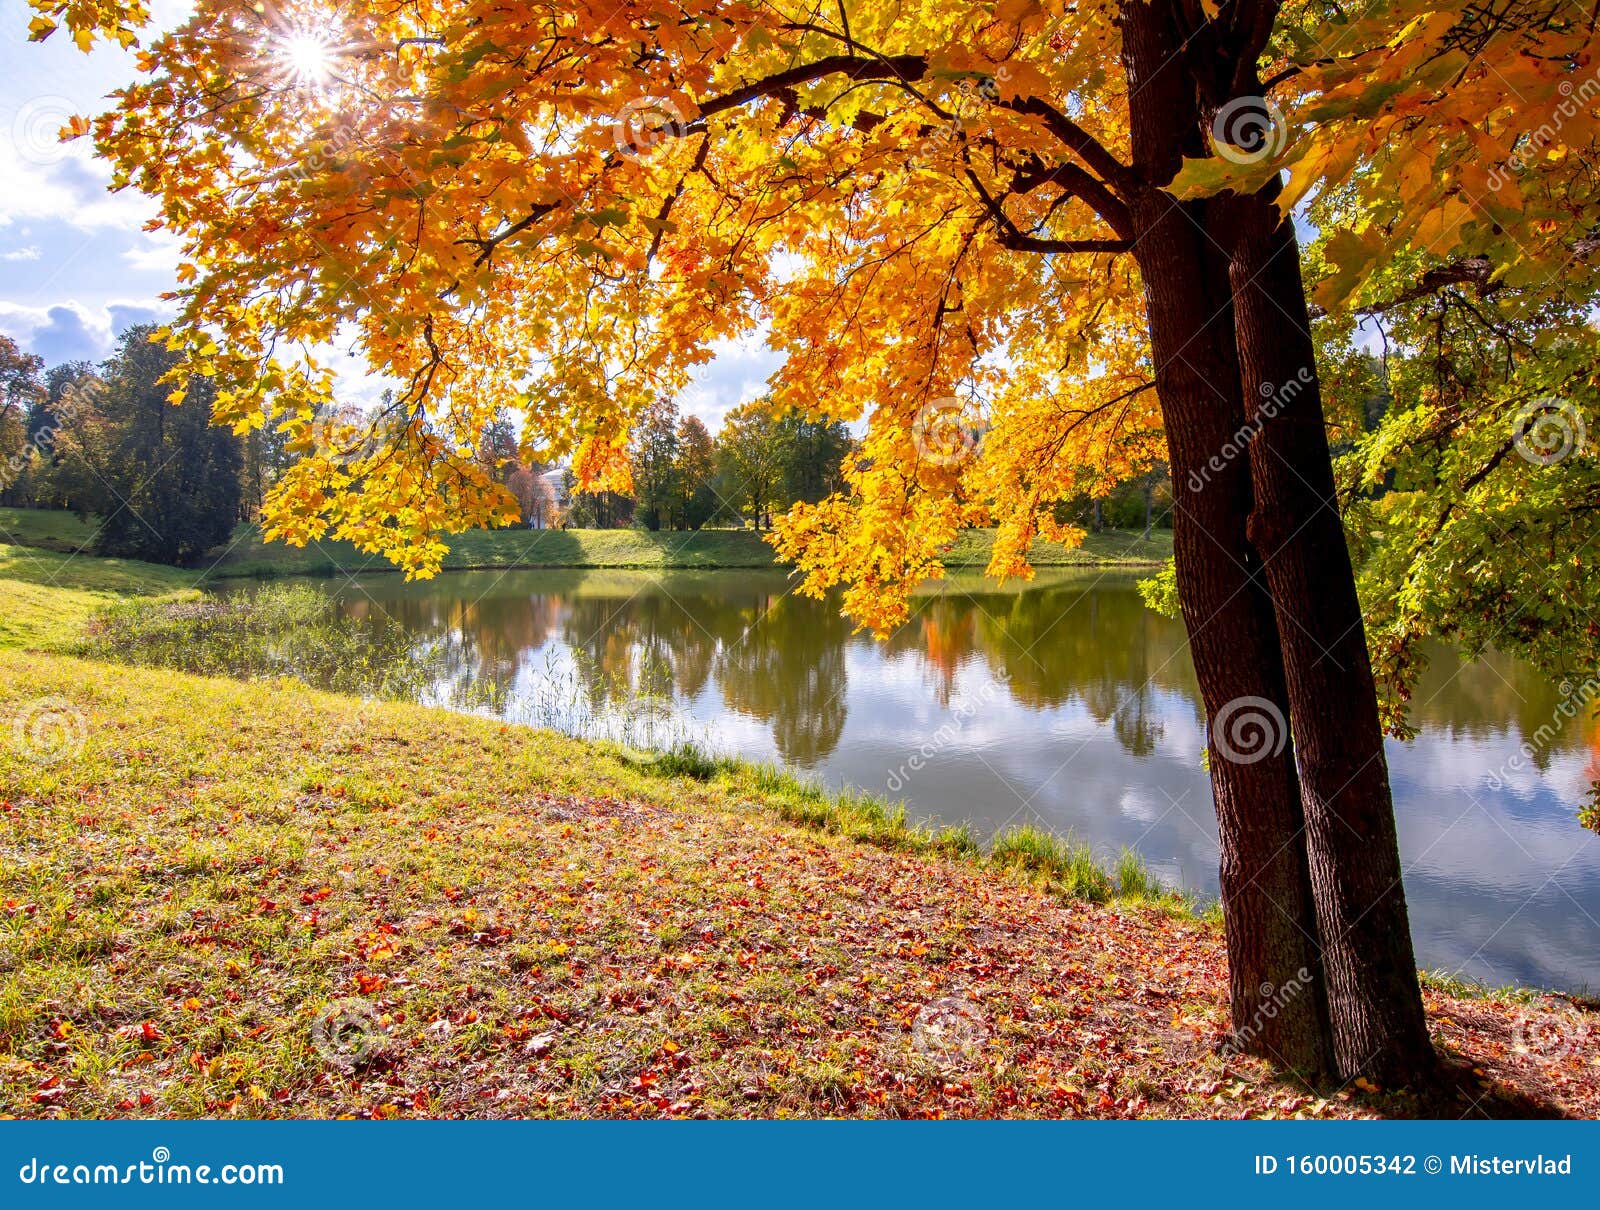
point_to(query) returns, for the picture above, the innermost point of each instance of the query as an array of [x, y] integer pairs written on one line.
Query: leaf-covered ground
[[250, 899]]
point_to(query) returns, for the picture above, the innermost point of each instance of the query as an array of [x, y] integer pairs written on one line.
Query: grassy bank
[[248, 555], [254, 899], [251, 898]]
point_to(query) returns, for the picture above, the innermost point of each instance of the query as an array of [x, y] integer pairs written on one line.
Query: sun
[[308, 55]]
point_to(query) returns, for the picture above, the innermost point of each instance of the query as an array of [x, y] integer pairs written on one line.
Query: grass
[[49, 596], [248, 555], [226, 898], [255, 899]]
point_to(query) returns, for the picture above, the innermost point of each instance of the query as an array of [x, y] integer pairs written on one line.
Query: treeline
[[683, 478], [102, 440]]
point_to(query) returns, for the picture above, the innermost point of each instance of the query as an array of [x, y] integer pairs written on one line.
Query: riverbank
[[226, 898], [248, 555]]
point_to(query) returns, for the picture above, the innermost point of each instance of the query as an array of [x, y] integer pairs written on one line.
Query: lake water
[[1065, 703]]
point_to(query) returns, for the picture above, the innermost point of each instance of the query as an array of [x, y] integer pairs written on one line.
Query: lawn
[[46, 596], [252, 899], [249, 555], [226, 898]]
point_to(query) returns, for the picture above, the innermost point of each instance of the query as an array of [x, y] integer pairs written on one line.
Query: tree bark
[[1276, 988], [1354, 857]]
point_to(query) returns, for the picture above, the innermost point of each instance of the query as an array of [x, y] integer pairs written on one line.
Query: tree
[[164, 482], [497, 448], [1018, 288], [812, 453], [654, 458], [21, 393], [695, 474], [536, 500], [750, 461]]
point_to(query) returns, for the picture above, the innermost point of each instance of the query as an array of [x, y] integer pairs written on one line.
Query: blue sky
[[75, 266]]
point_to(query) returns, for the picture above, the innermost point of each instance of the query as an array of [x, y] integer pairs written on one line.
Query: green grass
[[248, 555], [47, 597], [228, 898]]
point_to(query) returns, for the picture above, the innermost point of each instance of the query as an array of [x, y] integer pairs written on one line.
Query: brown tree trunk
[[1274, 965], [1375, 1004], [1275, 974]]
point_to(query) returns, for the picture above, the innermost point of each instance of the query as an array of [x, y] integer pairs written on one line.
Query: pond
[[1064, 703]]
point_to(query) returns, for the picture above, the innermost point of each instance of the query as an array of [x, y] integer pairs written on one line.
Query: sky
[[76, 267]]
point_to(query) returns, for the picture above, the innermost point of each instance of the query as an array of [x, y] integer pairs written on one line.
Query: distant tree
[[164, 482], [812, 453], [654, 455], [497, 448], [21, 392], [695, 474], [749, 461], [536, 500]]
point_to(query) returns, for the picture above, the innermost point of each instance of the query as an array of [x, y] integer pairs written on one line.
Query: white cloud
[[73, 331], [28, 253]]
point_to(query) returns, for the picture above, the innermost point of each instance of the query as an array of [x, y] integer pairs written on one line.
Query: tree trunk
[[1375, 1003], [1274, 965]]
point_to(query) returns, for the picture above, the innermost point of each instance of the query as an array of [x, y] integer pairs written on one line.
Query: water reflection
[[1066, 704]]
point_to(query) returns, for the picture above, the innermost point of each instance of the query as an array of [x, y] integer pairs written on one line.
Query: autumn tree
[[536, 500], [749, 461], [1010, 239], [653, 465], [695, 473]]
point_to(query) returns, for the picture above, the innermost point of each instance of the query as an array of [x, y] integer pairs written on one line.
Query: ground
[[224, 898], [252, 899], [248, 555]]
